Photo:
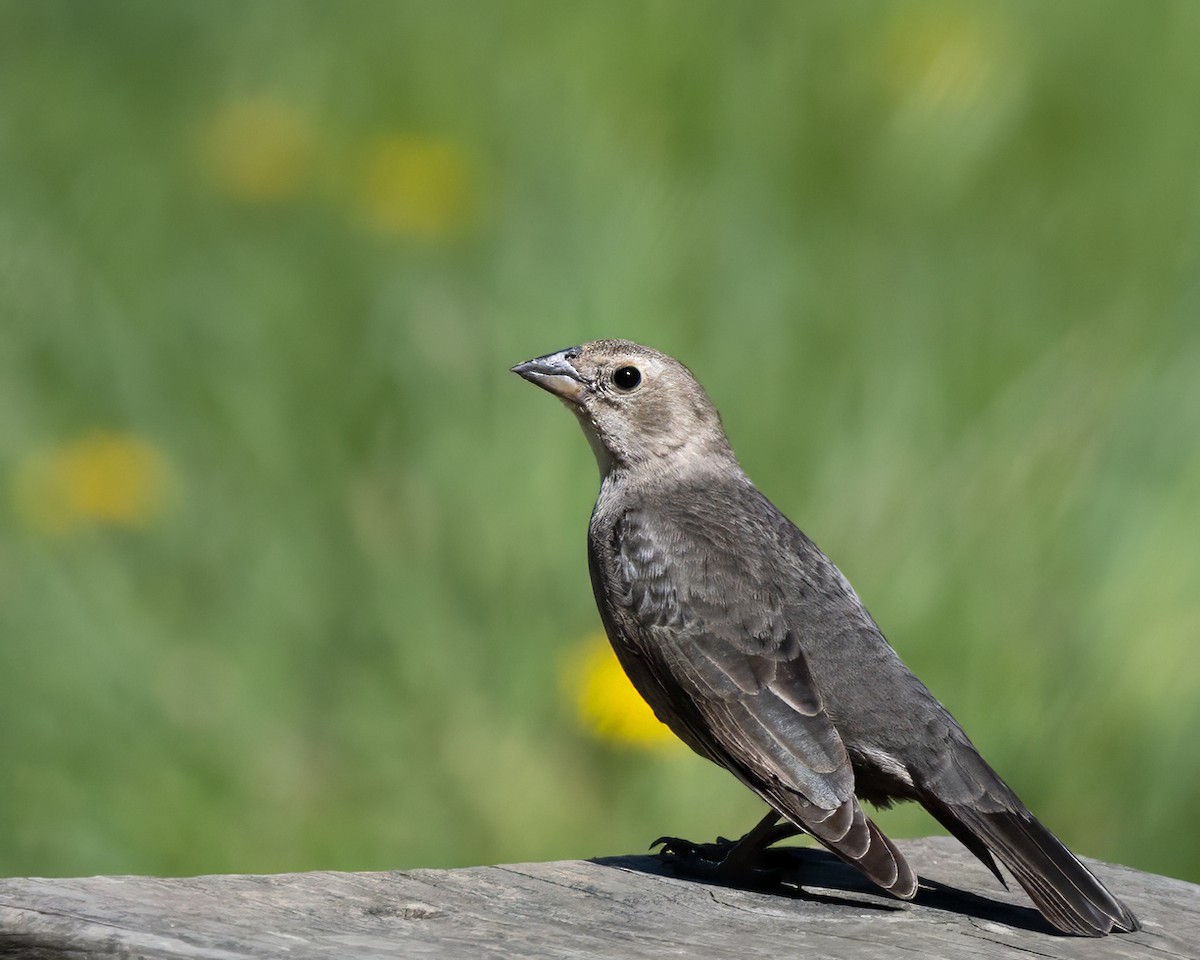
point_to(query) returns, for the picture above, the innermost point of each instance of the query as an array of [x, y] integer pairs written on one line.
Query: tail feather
[[849, 833], [1063, 889], [963, 835]]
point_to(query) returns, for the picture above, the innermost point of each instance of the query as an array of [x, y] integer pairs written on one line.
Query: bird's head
[[636, 405]]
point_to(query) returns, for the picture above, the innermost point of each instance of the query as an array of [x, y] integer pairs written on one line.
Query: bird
[[755, 650]]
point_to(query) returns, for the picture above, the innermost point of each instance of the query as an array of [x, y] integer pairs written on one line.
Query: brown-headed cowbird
[[755, 650]]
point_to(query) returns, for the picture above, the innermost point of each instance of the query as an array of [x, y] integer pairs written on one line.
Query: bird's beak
[[555, 373]]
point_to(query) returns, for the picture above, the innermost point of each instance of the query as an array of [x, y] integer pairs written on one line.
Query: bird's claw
[[672, 846], [712, 861], [677, 847]]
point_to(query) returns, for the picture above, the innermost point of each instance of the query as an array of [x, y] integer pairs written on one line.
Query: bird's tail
[[1063, 889]]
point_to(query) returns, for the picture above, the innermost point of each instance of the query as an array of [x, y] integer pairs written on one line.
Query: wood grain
[[626, 907]]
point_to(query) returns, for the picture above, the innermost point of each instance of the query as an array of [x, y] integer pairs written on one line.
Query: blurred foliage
[[292, 569]]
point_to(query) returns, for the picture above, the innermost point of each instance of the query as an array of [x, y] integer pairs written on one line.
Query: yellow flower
[[418, 187], [606, 703], [258, 150], [954, 77], [943, 57], [103, 478]]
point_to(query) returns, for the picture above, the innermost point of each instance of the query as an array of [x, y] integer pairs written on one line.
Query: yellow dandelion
[[258, 149], [417, 187], [943, 57], [954, 76], [606, 703], [103, 478]]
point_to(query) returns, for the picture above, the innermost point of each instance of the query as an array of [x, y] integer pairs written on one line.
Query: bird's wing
[[714, 645]]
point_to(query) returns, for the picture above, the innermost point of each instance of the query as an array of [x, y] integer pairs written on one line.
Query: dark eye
[[626, 378]]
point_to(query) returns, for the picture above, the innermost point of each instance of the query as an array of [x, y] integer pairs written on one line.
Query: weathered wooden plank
[[626, 907]]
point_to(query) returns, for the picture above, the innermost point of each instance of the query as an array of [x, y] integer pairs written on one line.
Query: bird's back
[[735, 558]]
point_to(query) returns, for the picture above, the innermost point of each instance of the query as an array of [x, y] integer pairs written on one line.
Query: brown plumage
[[755, 650]]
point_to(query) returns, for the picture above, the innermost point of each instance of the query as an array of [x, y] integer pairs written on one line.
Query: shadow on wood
[[627, 907], [813, 873]]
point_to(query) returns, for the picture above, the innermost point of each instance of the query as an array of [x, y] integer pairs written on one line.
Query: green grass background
[[937, 265]]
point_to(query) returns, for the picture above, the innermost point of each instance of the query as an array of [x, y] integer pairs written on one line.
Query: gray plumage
[[755, 650]]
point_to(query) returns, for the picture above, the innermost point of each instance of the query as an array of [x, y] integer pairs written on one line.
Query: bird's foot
[[722, 862], [714, 853]]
